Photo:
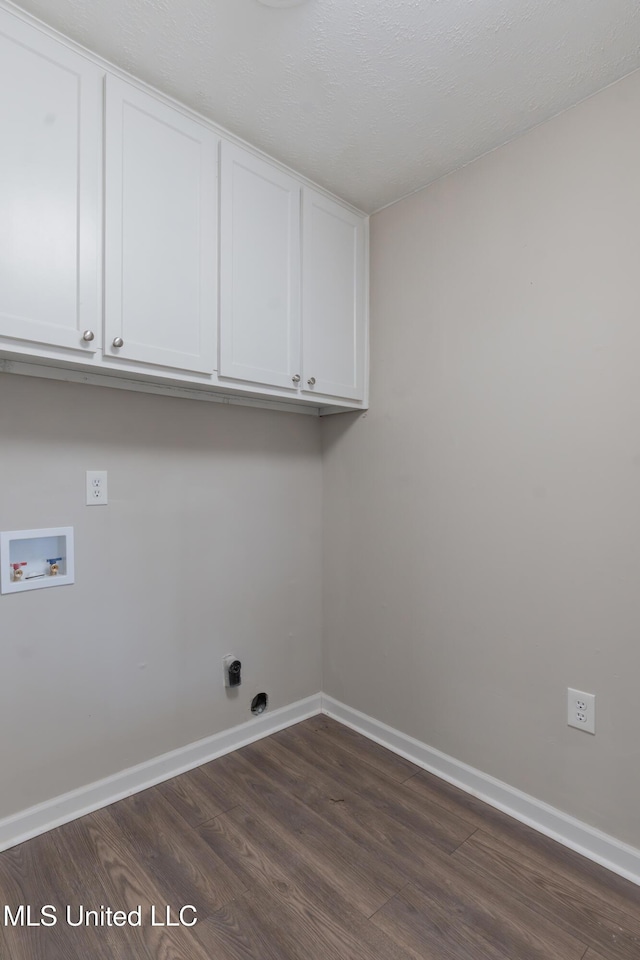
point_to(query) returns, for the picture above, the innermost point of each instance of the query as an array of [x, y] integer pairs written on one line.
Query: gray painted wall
[[210, 544], [482, 521]]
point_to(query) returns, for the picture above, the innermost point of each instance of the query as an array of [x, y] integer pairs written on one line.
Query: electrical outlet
[[581, 710], [232, 671], [96, 488]]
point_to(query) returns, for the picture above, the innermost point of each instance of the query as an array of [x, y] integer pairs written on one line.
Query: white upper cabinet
[[161, 233], [259, 271], [333, 299], [50, 191], [136, 240], [292, 293]]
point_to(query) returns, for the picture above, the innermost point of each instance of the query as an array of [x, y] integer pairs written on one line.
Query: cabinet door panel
[[50, 190], [333, 299], [260, 271], [161, 233]]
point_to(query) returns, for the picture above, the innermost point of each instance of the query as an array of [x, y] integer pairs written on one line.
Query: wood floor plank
[[183, 868], [287, 848], [419, 860], [622, 896], [196, 797], [245, 930], [444, 922], [363, 749], [368, 885], [256, 852], [441, 827], [108, 874], [112, 874], [298, 929], [261, 926], [621, 893], [427, 933], [386, 829], [29, 876], [552, 857], [493, 915], [576, 908], [344, 811], [434, 790]]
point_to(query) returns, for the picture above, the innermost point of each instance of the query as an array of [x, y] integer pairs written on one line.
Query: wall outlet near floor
[[581, 710], [232, 671], [96, 488]]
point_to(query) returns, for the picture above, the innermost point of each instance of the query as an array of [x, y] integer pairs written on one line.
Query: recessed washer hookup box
[[31, 559]]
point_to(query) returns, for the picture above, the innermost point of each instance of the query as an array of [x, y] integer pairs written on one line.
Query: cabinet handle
[[311, 381], [88, 335], [296, 379], [118, 342]]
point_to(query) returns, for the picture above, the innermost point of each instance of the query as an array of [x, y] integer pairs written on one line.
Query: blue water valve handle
[[55, 560]]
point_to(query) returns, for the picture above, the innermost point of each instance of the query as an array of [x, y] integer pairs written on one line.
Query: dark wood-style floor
[[315, 844]]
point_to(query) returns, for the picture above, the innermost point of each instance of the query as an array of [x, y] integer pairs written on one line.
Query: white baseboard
[[588, 841], [591, 843], [53, 813]]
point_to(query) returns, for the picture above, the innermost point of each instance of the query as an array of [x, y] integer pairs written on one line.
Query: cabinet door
[[259, 271], [333, 299], [50, 191], [161, 233]]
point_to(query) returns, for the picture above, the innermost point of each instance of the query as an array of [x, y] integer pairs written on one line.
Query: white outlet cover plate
[[581, 710], [97, 488]]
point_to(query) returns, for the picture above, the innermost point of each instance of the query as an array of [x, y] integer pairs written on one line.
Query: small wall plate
[[32, 559]]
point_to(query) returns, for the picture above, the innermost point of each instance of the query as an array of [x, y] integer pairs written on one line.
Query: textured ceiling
[[370, 98]]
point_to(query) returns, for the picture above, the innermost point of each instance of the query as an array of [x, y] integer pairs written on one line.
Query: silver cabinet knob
[[118, 342], [296, 379], [88, 335], [311, 381]]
